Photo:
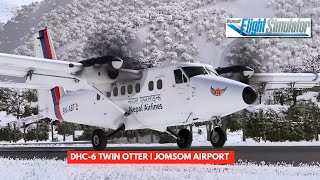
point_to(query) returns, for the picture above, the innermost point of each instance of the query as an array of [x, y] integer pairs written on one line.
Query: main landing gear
[[217, 136], [184, 138], [99, 137]]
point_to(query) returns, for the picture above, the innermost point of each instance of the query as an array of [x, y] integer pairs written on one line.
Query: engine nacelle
[[239, 73], [101, 72]]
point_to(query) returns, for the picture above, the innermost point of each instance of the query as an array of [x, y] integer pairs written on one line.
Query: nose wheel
[[217, 137]]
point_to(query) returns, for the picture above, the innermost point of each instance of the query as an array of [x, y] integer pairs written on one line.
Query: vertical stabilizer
[[43, 45], [49, 100]]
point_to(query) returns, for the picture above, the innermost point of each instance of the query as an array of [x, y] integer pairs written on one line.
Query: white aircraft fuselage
[[177, 94]]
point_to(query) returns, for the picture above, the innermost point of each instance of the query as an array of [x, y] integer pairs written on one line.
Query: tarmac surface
[[258, 154]]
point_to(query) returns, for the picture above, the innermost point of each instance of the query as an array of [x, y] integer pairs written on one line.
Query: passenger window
[[137, 87], [159, 84], [115, 91], [150, 85], [123, 90], [130, 89], [179, 76]]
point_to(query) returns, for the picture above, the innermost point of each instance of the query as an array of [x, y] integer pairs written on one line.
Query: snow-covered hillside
[[148, 31], [154, 32], [9, 7]]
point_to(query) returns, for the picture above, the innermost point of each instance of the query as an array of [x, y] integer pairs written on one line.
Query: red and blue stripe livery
[[45, 44], [55, 92], [48, 54]]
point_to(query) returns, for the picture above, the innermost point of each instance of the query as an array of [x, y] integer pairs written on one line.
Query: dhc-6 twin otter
[[98, 92]]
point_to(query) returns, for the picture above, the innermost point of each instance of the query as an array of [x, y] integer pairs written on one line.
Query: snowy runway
[[294, 155], [59, 169]]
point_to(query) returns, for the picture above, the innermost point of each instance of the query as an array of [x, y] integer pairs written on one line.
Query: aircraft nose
[[249, 95]]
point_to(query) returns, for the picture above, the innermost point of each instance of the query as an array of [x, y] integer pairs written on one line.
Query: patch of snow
[[43, 169], [235, 139], [277, 108], [312, 96], [78, 133], [5, 119]]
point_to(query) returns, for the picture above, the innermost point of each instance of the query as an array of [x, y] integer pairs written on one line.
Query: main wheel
[[185, 139], [217, 137], [99, 139]]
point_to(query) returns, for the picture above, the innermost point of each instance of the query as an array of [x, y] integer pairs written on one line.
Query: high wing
[[38, 73], [268, 81]]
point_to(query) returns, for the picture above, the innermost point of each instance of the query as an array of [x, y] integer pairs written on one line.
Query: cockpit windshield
[[194, 71], [212, 71], [198, 70]]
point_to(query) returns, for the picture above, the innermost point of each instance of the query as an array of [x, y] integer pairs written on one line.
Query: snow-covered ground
[[58, 169], [234, 139], [8, 8]]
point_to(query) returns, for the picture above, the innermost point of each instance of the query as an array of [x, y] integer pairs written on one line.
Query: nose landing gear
[[217, 137]]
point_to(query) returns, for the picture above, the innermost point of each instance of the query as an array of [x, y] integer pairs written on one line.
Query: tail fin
[[49, 100], [43, 45]]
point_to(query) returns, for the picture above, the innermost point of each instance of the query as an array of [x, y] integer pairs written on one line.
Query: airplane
[[99, 92]]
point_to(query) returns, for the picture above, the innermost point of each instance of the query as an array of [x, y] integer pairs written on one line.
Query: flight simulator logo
[[268, 27], [217, 91]]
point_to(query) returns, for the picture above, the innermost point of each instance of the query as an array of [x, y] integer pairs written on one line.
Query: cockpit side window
[[179, 76]]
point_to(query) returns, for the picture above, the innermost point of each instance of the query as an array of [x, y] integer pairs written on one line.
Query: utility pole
[[24, 132], [52, 131], [9, 134], [14, 133], [315, 123], [37, 131], [64, 131]]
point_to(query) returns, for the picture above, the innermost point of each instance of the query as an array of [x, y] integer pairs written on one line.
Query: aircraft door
[[181, 98]]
